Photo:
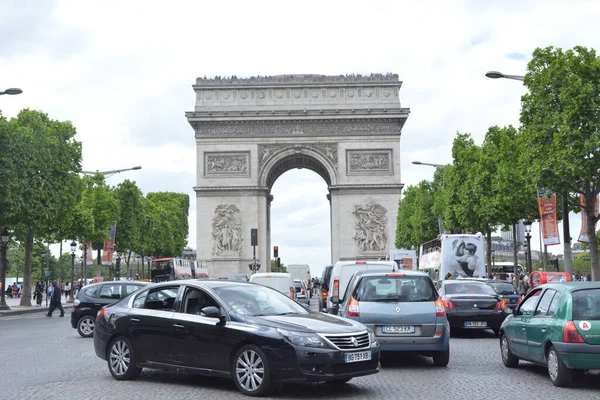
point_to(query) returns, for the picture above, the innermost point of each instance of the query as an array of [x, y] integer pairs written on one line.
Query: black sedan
[[250, 333], [472, 305]]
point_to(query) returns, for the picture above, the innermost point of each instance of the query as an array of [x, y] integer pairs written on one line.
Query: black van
[[325, 287]]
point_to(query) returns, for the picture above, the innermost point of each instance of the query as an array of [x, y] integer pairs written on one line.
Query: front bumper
[[320, 365], [579, 355], [493, 319]]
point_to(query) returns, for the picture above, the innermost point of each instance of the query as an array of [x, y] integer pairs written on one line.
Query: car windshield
[[586, 304], [395, 287], [238, 277], [468, 288], [258, 300], [503, 288]]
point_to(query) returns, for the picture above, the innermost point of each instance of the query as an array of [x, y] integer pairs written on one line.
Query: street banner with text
[[109, 246], [548, 217], [583, 235]]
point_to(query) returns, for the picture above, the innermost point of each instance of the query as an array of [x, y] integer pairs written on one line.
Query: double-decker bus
[[506, 267], [169, 269], [459, 255]]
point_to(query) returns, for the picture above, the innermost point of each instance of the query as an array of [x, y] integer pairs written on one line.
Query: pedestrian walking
[[55, 301], [39, 292]]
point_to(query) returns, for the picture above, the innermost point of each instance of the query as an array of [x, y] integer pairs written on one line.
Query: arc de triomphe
[[250, 131]]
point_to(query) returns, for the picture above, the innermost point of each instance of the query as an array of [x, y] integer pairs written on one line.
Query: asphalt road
[[44, 358]]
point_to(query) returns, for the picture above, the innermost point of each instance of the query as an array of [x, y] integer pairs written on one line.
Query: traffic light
[[275, 251], [118, 267]]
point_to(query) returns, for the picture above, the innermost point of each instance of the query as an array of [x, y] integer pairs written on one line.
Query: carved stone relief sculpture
[[370, 228], [224, 164], [227, 230], [369, 162]]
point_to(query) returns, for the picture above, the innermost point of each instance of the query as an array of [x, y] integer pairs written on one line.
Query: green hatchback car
[[557, 325]]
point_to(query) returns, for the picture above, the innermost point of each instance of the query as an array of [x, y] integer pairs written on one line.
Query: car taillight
[[571, 334], [353, 309], [440, 310], [76, 303], [448, 305], [292, 292], [501, 305], [101, 313], [519, 300], [303, 292], [324, 295], [336, 288]]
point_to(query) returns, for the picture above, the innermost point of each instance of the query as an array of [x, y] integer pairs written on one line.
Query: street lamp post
[[73, 248], [429, 164], [43, 277], [3, 305], [148, 259], [12, 91], [527, 224], [568, 260]]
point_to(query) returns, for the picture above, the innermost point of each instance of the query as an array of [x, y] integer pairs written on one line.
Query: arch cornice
[[296, 156]]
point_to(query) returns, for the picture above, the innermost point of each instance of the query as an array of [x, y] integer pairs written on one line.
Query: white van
[[279, 281], [342, 272]]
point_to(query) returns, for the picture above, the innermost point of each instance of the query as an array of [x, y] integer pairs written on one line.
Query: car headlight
[[372, 338], [301, 338]]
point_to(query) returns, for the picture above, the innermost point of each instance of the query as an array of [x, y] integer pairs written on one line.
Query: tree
[[560, 120], [130, 199], [42, 160], [274, 268], [166, 216], [416, 223]]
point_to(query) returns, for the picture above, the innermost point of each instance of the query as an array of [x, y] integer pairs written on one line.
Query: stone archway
[[250, 131]]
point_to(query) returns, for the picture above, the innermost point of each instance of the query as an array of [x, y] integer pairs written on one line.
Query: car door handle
[[99, 305], [177, 326], [544, 328], [134, 320]]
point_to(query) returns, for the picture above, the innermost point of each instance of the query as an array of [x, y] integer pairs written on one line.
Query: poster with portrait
[[463, 256], [583, 235]]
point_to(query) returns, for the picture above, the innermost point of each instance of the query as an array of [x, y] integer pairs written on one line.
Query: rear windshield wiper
[[385, 299]]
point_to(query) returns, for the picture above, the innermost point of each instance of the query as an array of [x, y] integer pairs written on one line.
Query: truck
[[405, 259], [299, 272], [455, 256]]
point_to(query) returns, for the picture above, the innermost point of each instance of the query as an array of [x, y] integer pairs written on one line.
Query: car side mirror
[[211, 312], [508, 311], [335, 300]]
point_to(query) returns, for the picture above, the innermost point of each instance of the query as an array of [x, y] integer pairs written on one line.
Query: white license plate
[[398, 329], [356, 357], [475, 323]]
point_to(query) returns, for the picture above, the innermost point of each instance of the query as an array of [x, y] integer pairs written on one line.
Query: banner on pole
[[109, 246], [87, 254], [548, 218], [583, 235]]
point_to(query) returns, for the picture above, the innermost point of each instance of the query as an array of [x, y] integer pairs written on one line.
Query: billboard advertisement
[[463, 255]]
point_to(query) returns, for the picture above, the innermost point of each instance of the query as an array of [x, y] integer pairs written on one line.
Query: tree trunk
[[60, 260], [127, 260], [593, 244], [26, 291], [488, 240], [515, 255]]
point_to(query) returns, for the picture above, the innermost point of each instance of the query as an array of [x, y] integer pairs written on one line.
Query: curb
[[33, 310]]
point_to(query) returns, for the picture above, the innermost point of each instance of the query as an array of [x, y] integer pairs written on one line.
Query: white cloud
[[122, 72]]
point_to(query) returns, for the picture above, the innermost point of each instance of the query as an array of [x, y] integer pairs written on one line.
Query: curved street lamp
[[12, 91], [429, 164], [112, 172], [497, 75]]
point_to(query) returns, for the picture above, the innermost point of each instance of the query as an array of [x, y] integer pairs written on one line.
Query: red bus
[[172, 268]]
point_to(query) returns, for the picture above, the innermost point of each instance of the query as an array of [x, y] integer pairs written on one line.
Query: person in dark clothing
[[55, 301]]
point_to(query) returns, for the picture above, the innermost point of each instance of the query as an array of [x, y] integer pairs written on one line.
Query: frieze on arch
[[328, 150], [296, 128]]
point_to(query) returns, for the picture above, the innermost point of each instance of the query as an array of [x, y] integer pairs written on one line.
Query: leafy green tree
[[42, 160], [416, 223], [274, 268], [560, 119], [167, 223], [130, 199]]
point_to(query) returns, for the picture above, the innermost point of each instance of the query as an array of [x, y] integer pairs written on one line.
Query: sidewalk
[[16, 309]]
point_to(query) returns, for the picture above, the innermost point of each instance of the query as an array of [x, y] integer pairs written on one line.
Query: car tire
[[121, 359], [560, 375], [508, 358], [339, 381], [85, 326], [251, 372], [496, 332], [441, 358]]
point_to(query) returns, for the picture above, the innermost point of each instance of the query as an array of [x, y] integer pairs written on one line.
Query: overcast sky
[[122, 73]]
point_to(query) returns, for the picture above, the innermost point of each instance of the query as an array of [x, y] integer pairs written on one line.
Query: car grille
[[350, 342], [340, 369]]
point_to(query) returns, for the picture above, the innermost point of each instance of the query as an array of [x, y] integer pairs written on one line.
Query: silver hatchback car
[[403, 309]]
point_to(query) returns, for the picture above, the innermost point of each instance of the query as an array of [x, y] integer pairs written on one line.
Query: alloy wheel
[[250, 370], [87, 326], [120, 358], [504, 349]]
